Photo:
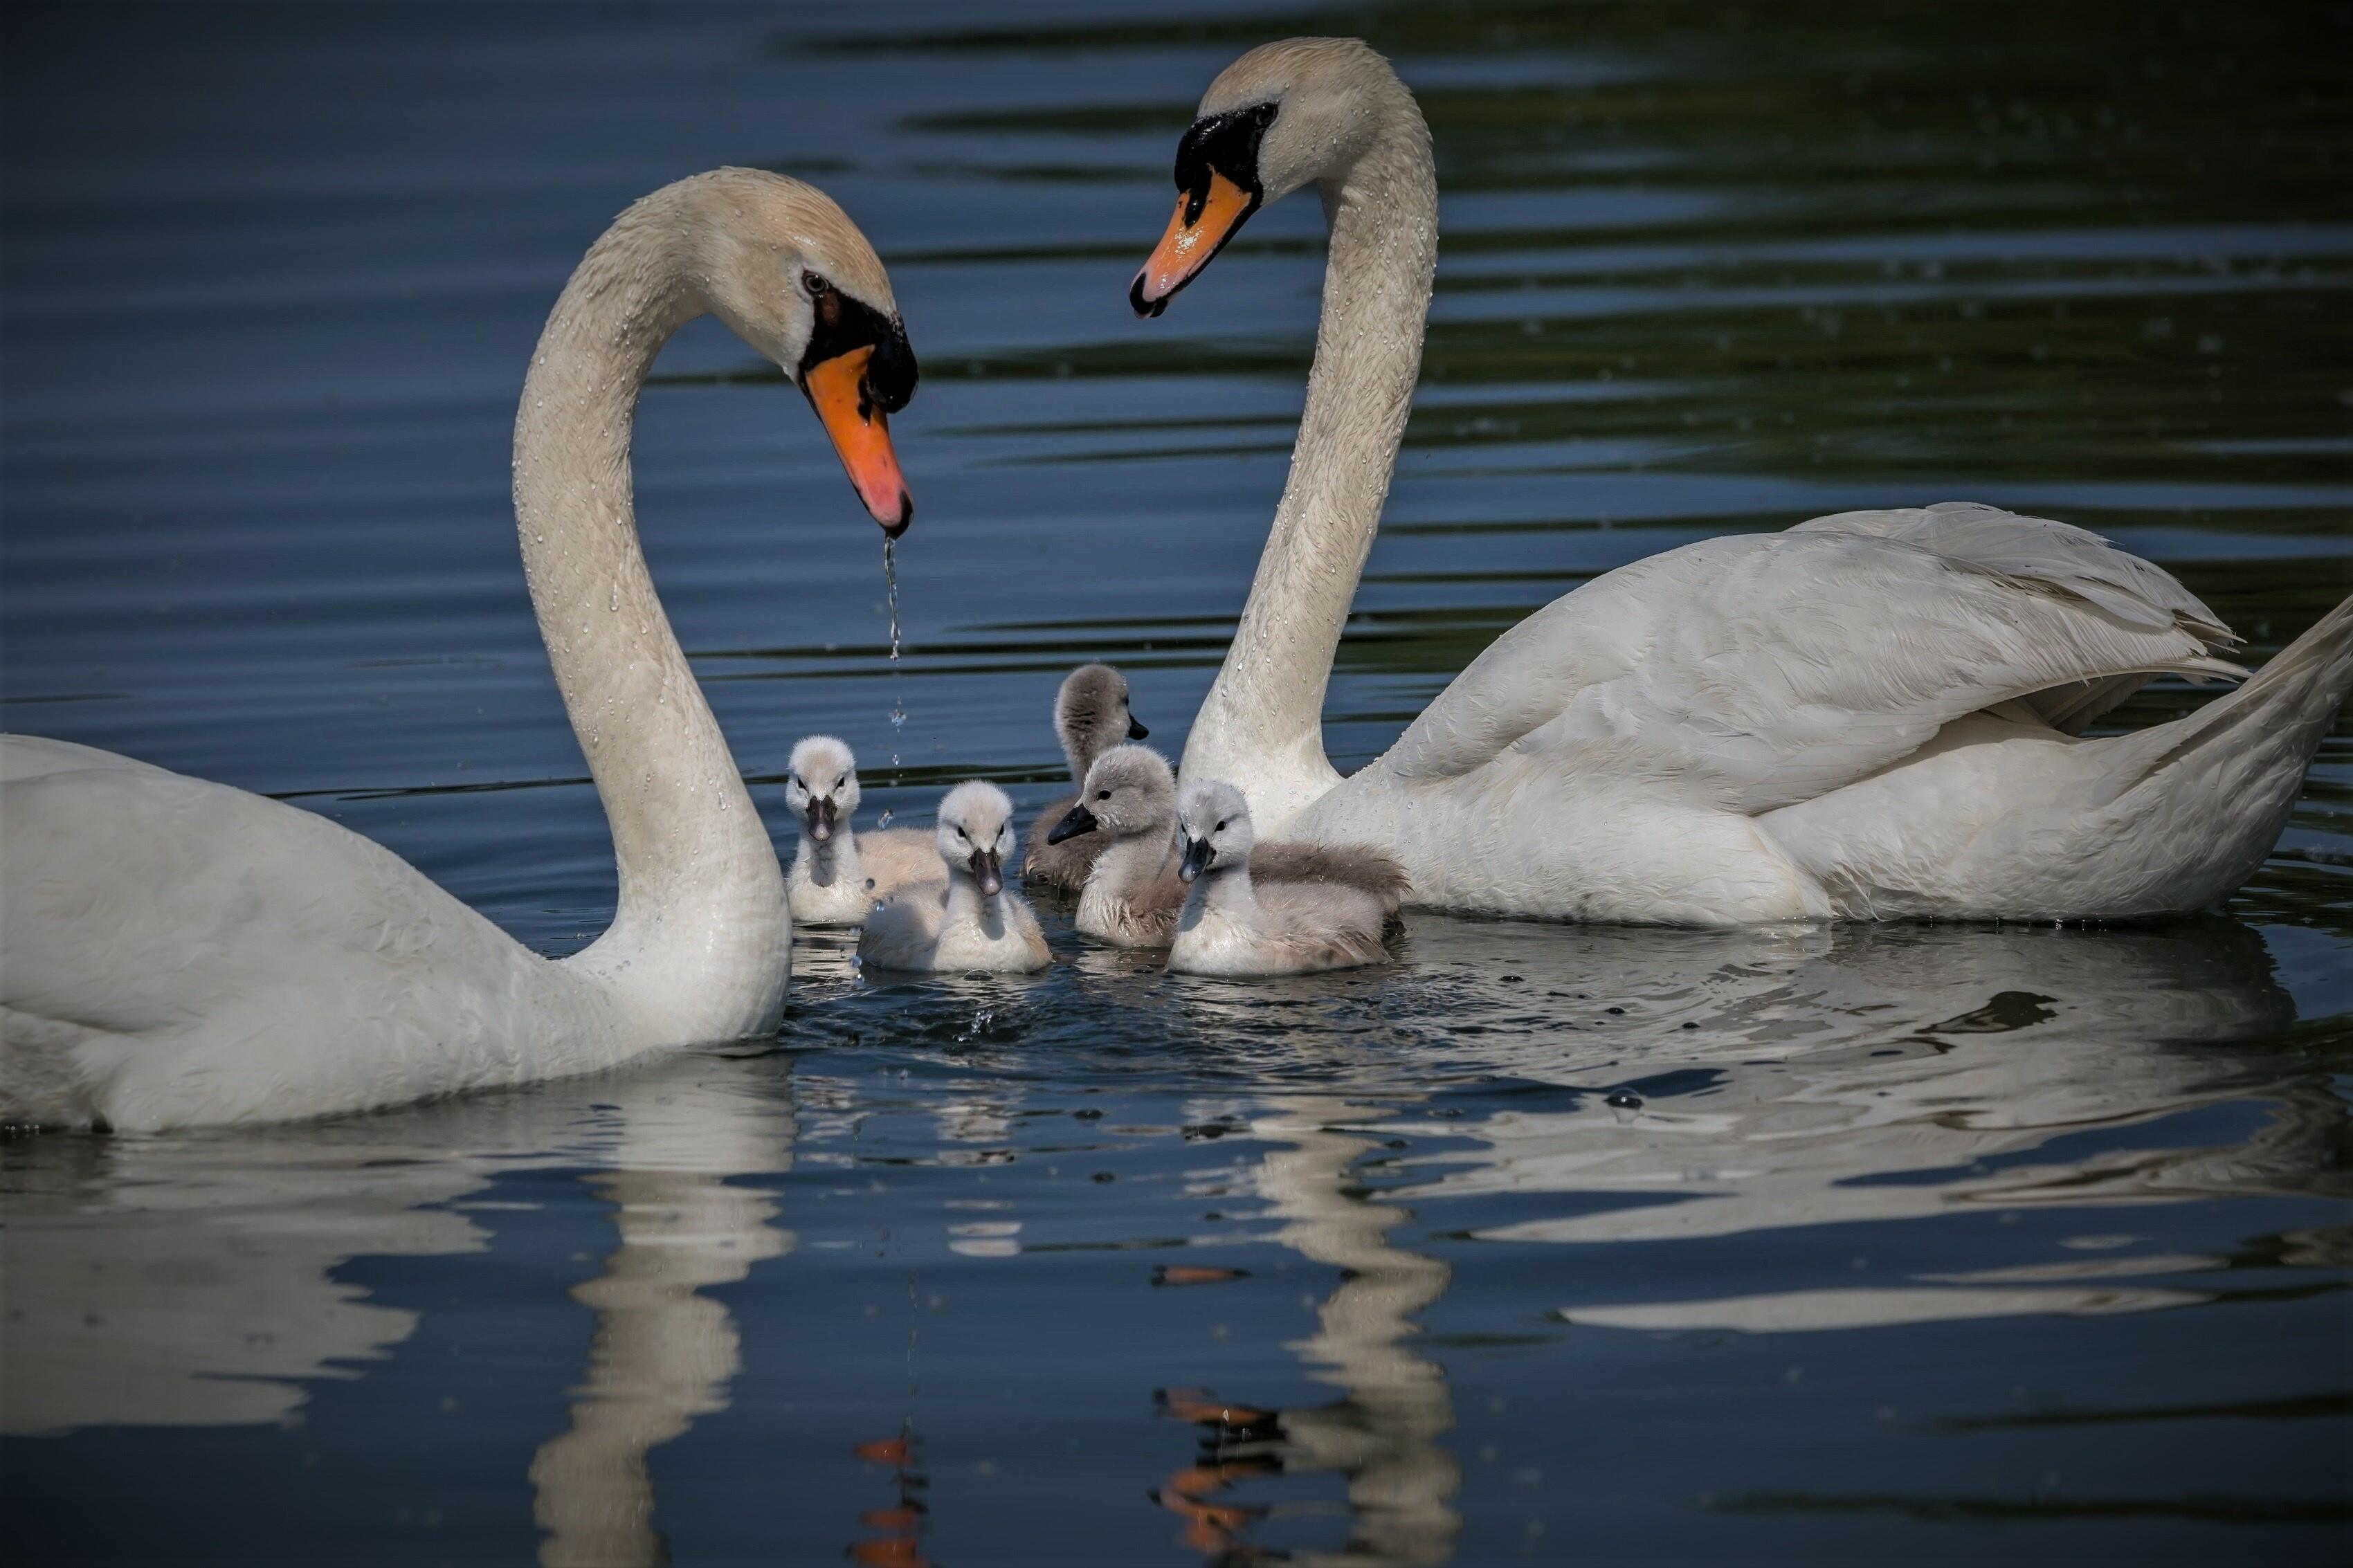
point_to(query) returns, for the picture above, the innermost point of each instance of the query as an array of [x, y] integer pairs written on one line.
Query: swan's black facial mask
[[857, 370], [1216, 172]]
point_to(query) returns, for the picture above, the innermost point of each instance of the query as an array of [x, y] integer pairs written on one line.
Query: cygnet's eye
[[961, 834], [798, 785], [1222, 828], [1103, 795], [814, 284]]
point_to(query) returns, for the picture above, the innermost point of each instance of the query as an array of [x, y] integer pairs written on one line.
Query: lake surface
[[1541, 1244]]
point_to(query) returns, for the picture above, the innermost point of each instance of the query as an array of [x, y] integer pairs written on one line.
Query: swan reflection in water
[[1861, 1075], [1827, 1076], [663, 1354], [1755, 1081], [1383, 1434], [189, 1281]]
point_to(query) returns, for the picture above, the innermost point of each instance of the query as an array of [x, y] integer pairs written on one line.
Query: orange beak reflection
[[1188, 245], [862, 435]]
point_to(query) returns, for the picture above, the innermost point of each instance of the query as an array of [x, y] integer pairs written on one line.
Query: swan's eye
[[814, 284], [1222, 828], [1103, 795]]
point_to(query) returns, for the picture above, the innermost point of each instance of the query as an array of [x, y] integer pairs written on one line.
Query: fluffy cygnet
[[836, 874], [1134, 894], [1234, 925], [973, 924], [1129, 802], [1090, 717]]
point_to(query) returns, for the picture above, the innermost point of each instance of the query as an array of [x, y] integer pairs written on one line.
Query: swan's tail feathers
[[2228, 776]]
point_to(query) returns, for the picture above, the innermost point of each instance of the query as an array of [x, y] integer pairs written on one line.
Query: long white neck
[[1261, 727], [701, 934]]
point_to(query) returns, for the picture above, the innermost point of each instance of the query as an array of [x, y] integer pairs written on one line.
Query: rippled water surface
[[1540, 1244]]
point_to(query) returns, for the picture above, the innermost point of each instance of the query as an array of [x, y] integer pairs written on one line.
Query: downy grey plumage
[[1091, 715], [1234, 924], [1135, 893]]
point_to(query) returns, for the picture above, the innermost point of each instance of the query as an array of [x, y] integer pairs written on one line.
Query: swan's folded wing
[[1524, 680], [1758, 670], [2072, 559], [1814, 658], [224, 950]]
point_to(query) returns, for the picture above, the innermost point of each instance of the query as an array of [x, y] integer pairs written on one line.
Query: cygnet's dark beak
[[1075, 821], [1197, 857], [821, 814], [988, 870], [1135, 729]]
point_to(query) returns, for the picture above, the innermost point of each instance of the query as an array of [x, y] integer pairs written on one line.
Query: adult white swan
[[173, 952], [1871, 715]]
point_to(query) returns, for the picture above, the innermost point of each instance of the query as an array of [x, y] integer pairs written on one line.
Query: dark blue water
[[1542, 1244]]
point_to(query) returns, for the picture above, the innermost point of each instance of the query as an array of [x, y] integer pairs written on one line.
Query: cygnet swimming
[[973, 924], [1090, 716], [1235, 924], [837, 874], [1134, 895]]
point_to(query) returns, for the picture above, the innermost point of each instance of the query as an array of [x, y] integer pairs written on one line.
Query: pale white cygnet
[[973, 923], [836, 874], [1091, 715], [1235, 925]]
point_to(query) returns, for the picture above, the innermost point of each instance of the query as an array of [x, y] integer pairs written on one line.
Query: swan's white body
[[1749, 729], [1796, 726], [179, 953]]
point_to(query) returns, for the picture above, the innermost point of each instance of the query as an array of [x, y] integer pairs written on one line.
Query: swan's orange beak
[[860, 432], [1197, 230]]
